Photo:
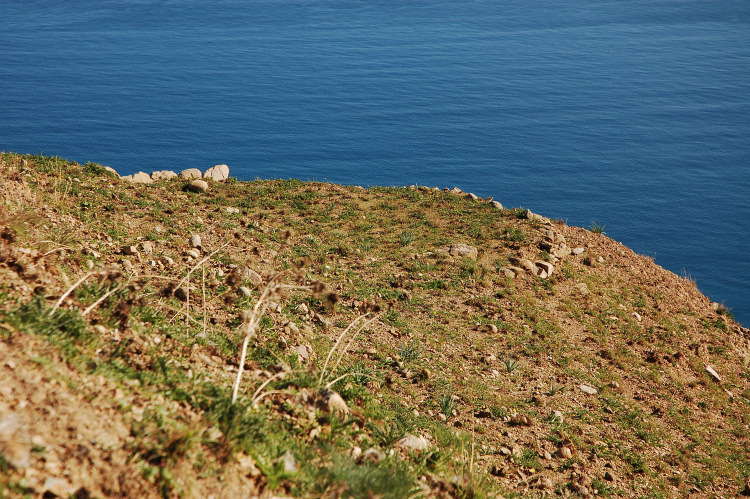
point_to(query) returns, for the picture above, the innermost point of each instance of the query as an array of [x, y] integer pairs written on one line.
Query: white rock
[[577, 251], [543, 269], [637, 316], [139, 178], [302, 308], [193, 253], [334, 403], [460, 250], [714, 375], [472, 196], [147, 247], [198, 186], [497, 205], [290, 465], [217, 173], [167, 260], [245, 291], [588, 389], [373, 455], [190, 174], [355, 452], [163, 175], [412, 442], [231, 210], [130, 250], [111, 170], [582, 288], [195, 241]]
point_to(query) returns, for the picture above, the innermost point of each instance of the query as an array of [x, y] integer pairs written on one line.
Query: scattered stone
[[588, 389], [600, 259], [129, 250], [333, 402], [582, 288], [411, 442], [190, 174], [509, 273], [303, 353], [99, 329], [147, 247], [111, 170], [497, 205], [193, 253], [547, 455], [714, 375], [198, 186], [218, 173], [12, 445], [490, 359], [525, 264], [472, 196], [57, 487], [456, 190], [302, 308], [460, 250], [637, 316], [139, 178], [247, 465], [245, 291], [195, 241], [373, 455], [615, 385], [557, 417], [521, 420], [545, 483], [163, 175], [231, 210], [128, 266], [543, 269], [491, 328], [577, 251], [565, 453], [608, 476], [167, 260], [355, 452], [290, 465]]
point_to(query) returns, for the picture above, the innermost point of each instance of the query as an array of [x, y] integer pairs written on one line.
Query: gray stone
[[141, 178], [412, 442], [588, 389], [130, 250], [582, 288], [147, 247], [218, 173], [245, 290], [456, 190], [193, 253], [333, 402], [460, 250], [198, 186], [373, 455], [111, 170], [231, 210], [543, 269], [190, 174], [163, 175], [497, 205], [472, 196], [509, 273], [195, 241], [167, 260]]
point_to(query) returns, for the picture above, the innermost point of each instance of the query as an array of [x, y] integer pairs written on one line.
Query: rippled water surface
[[633, 113]]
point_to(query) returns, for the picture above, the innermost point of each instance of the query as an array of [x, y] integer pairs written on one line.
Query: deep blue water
[[633, 113]]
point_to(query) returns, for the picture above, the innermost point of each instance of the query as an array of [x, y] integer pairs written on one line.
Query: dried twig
[[67, 293], [97, 302]]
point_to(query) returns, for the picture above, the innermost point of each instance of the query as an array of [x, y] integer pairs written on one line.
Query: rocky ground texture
[[399, 342]]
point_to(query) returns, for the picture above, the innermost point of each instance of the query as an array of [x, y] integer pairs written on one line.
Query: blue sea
[[631, 113]]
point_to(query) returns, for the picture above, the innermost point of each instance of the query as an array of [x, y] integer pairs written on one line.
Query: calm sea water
[[632, 113]]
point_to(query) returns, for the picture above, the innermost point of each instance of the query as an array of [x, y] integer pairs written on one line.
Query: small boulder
[[129, 250], [198, 186], [190, 174], [255, 278], [195, 241], [218, 173], [163, 175], [139, 178], [497, 205], [543, 269], [333, 403], [411, 442], [588, 389], [463, 251]]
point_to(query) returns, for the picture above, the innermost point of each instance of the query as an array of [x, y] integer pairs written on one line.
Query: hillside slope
[[408, 342]]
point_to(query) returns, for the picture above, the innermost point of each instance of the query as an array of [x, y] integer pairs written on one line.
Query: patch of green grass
[[597, 228]]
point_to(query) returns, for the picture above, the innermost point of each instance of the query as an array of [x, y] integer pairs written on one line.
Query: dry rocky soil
[[400, 342]]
